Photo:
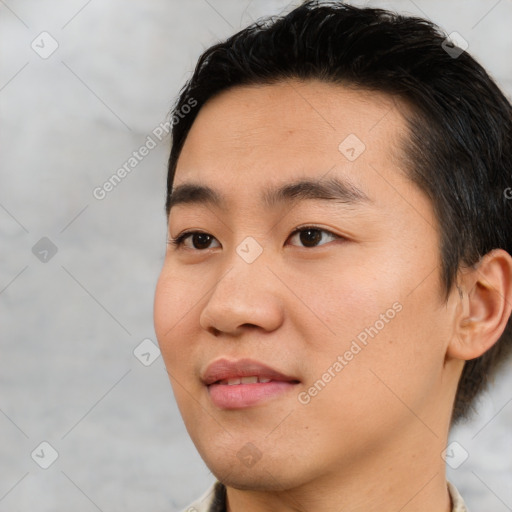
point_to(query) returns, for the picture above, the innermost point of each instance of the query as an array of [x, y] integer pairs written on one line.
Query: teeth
[[249, 380], [253, 379]]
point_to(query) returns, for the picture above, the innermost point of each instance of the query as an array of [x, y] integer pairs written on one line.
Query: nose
[[245, 297]]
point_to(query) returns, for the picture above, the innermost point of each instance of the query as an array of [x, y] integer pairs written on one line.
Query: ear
[[485, 304]]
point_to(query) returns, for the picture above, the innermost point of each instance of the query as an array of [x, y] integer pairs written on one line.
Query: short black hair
[[459, 146]]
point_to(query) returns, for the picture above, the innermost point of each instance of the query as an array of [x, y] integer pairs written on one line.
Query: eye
[[312, 236], [307, 236], [194, 240]]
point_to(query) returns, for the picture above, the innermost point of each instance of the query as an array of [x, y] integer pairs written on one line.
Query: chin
[[250, 479], [265, 474]]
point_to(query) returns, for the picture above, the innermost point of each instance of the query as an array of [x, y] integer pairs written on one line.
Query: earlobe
[[485, 305]]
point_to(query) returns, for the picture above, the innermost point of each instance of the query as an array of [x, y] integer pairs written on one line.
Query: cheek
[[339, 298], [403, 362], [175, 301], [164, 311], [387, 324]]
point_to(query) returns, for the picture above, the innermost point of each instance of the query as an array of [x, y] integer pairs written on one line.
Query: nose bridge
[[246, 271], [238, 281], [244, 293]]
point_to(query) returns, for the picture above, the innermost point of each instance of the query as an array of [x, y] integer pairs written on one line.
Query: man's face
[[339, 295]]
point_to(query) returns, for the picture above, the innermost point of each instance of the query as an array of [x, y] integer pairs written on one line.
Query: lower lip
[[238, 396]]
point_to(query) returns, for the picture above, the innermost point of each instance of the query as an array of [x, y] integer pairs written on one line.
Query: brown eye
[[312, 237], [194, 240], [201, 240]]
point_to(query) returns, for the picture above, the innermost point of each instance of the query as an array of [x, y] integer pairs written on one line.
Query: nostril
[[231, 329]]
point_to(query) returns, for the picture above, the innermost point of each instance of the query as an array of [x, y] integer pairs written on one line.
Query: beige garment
[[214, 500]]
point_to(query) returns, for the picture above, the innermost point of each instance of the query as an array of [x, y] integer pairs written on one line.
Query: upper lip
[[222, 369]]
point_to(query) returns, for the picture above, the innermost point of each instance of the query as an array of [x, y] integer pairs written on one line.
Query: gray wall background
[[70, 321]]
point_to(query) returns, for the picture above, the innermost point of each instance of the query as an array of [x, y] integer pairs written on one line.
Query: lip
[[223, 369], [235, 396]]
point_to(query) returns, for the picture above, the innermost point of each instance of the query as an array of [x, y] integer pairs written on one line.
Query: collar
[[214, 500]]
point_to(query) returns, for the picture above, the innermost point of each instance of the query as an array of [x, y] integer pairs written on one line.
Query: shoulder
[[213, 500], [458, 504]]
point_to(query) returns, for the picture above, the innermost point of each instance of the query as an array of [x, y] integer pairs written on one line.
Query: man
[[338, 282]]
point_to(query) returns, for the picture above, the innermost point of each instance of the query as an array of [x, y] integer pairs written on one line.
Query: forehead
[[252, 136]]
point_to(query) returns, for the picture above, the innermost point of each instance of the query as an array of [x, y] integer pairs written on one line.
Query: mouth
[[243, 380], [244, 383]]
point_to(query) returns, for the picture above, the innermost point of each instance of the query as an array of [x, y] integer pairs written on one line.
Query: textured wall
[[76, 304]]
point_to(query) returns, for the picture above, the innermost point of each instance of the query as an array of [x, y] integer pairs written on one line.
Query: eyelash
[[179, 240]]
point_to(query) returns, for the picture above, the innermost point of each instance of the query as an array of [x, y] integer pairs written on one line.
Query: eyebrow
[[330, 189]]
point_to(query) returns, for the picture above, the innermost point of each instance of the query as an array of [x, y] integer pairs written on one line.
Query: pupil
[[310, 237], [201, 240]]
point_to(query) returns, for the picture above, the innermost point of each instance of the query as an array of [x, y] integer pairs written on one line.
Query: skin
[[372, 438]]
